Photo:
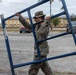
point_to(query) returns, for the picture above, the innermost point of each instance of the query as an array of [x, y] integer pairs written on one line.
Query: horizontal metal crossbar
[[43, 60], [31, 7], [59, 14], [62, 34]]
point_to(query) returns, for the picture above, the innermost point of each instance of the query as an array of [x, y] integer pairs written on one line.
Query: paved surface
[[22, 51]]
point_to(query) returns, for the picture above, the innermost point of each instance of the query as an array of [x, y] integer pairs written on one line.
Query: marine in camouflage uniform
[[42, 32]]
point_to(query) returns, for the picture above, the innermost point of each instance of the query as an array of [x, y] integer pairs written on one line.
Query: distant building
[[63, 22], [14, 22]]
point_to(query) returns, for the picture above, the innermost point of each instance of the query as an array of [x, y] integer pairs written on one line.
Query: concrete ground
[[22, 51]]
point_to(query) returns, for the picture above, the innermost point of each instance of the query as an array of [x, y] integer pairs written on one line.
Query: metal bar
[[62, 13], [43, 60], [31, 7], [54, 37], [68, 18], [7, 45], [33, 29], [38, 61]]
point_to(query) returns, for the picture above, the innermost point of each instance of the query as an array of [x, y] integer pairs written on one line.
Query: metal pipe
[[43, 60], [62, 34], [29, 14], [68, 18], [31, 7], [7, 45], [62, 13]]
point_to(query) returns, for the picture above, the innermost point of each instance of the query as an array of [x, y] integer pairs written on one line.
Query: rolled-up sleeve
[[25, 23]]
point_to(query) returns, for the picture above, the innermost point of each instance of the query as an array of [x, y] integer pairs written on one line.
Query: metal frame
[[12, 66]]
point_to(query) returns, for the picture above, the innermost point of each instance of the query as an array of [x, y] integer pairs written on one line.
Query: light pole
[[0, 19], [40, 0], [0, 1]]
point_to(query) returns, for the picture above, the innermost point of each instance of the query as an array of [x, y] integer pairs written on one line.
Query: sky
[[10, 7]]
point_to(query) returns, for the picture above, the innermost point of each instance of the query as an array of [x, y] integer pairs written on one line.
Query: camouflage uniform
[[41, 34]]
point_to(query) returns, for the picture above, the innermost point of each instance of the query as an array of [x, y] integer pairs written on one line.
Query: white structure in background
[[39, 0], [0, 19]]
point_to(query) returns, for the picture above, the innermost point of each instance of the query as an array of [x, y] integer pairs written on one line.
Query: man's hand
[[48, 18], [17, 14]]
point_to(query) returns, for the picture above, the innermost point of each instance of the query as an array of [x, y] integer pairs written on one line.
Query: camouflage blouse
[[41, 34]]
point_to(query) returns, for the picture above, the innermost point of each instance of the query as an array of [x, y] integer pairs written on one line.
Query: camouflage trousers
[[34, 68]]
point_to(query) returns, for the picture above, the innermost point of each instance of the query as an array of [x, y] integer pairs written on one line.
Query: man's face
[[38, 19]]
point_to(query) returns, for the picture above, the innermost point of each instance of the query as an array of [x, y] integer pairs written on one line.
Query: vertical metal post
[[7, 45], [33, 29], [68, 18]]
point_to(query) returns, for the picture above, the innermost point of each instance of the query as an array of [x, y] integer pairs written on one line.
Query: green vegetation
[[55, 21]]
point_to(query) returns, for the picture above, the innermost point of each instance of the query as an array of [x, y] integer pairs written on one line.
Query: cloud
[[9, 7], [12, 1]]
